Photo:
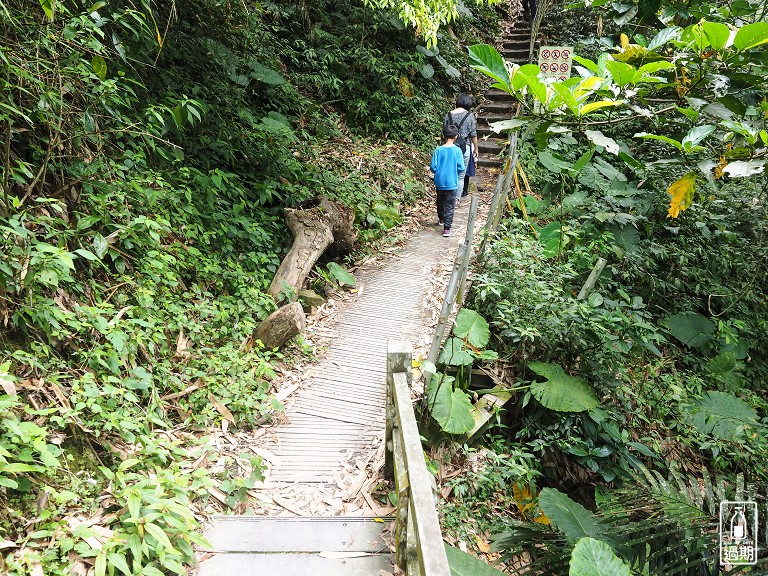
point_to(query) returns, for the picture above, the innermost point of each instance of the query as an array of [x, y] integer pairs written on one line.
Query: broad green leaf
[[99, 66], [455, 354], [265, 75], [87, 254], [554, 162], [340, 274], [159, 535], [664, 36], [560, 391], [88, 221], [751, 35], [47, 6], [592, 106], [600, 139], [743, 168], [100, 568], [487, 60], [591, 557], [508, 124], [586, 62], [450, 408], [666, 139], [651, 68], [566, 97], [472, 327], [696, 135], [19, 468], [464, 564], [537, 88], [717, 34], [100, 245], [723, 415], [621, 73], [427, 71], [570, 517], [691, 328], [118, 561]]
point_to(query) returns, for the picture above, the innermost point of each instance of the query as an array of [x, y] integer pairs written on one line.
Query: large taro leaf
[[570, 517], [691, 328], [454, 353], [463, 564], [722, 415], [472, 327], [450, 408], [561, 392], [592, 557]]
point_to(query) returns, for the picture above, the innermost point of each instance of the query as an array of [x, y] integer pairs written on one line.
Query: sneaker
[[447, 232], [440, 223]]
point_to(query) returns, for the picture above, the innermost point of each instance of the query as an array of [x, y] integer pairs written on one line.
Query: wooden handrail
[[419, 548]]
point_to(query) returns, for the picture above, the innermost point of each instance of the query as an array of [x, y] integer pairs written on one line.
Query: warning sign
[[555, 62]]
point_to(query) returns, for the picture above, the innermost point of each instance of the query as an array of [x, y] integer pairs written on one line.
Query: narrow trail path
[[325, 456]]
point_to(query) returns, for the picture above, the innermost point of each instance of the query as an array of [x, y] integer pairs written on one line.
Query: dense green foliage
[[636, 265], [148, 151]]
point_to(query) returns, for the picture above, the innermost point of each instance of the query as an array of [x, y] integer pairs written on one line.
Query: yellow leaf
[[542, 519], [721, 164], [681, 192], [483, 546], [406, 88], [624, 41]]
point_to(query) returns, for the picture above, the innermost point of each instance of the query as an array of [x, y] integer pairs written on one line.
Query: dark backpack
[[461, 141]]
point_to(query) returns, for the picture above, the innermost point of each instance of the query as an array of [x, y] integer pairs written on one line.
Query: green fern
[[661, 526]]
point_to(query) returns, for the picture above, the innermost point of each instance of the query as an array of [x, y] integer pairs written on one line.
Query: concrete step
[[243, 545], [489, 162], [497, 107]]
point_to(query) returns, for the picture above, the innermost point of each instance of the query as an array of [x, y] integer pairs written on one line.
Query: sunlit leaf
[[751, 35], [450, 408], [592, 106], [487, 60], [621, 73], [664, 36], [717, 34], [743, 168], [99, 66], [600, 139], [472, 327]]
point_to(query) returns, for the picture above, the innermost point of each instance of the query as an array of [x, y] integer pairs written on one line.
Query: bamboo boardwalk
[[333, 429]]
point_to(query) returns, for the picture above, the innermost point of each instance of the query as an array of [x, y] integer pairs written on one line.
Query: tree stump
[[316, 225], [282, 325]]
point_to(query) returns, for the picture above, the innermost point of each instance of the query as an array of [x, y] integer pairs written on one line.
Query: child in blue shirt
[[447, 163]]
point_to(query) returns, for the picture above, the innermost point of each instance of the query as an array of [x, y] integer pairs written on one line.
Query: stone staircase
[[497, 105]]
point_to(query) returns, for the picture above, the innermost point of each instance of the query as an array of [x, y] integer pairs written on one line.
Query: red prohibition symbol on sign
[[566, 54], [563, 67], [562, 79], [543, 66], [545, 54], [555, 54]]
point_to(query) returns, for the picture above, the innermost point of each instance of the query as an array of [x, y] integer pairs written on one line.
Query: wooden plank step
[[270, 534], [282, 564]]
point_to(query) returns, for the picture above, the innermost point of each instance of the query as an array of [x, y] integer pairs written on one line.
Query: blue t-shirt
[[447, 162]]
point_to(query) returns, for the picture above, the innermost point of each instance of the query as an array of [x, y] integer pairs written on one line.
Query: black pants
[[529, 6]]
